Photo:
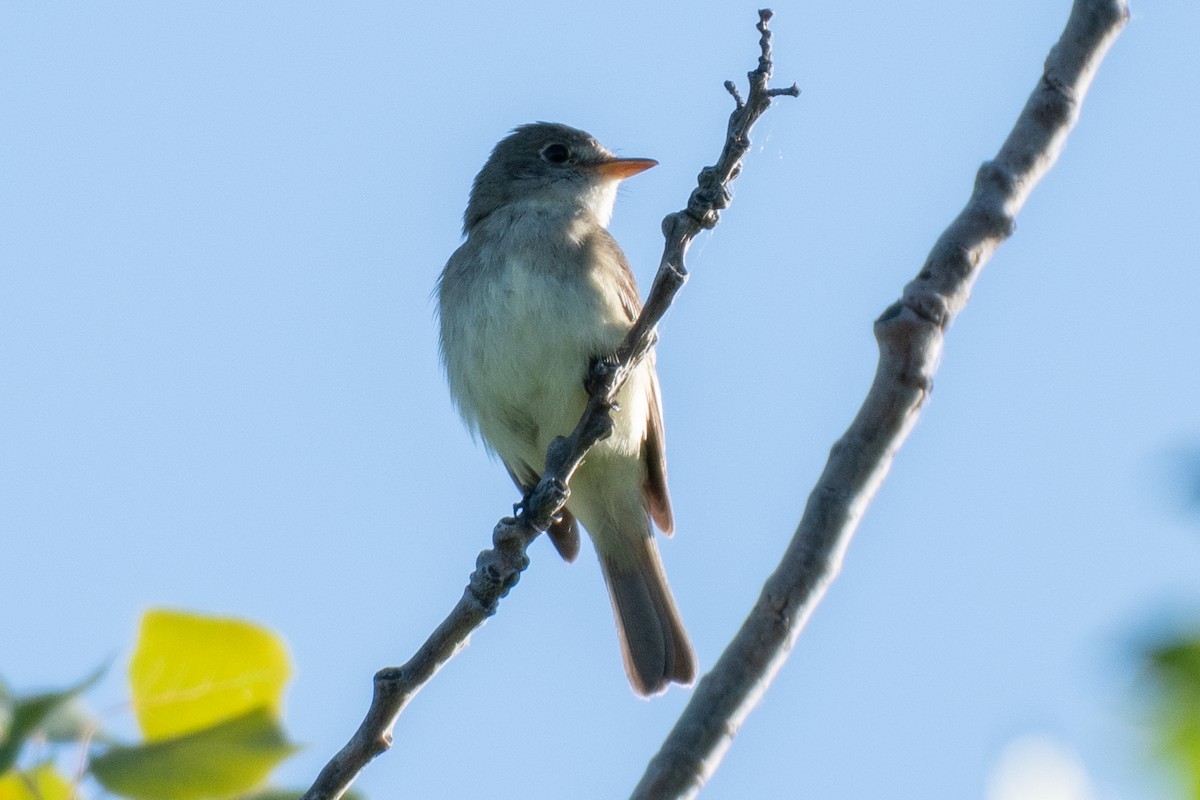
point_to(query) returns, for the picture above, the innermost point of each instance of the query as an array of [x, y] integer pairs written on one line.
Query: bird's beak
[[622, 168]]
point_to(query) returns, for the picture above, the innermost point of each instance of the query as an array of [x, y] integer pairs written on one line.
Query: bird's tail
[[654, 644]]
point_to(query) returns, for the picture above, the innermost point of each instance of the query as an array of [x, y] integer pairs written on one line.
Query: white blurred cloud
[[1038, 767]]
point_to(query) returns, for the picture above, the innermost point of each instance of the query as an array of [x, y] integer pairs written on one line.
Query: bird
[[537, 290]]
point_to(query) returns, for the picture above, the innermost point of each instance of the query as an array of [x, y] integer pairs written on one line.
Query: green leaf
[[222, 761], [41, 783], [190, 672], [6, 709], [26, 715], [1174, 668], [1177, 663]]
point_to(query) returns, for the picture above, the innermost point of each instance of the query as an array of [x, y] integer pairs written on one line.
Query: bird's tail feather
[[654, 644]]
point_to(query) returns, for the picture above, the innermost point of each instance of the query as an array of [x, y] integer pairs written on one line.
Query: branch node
[[706, 219], [996, 176], [600, 426], [389, 675]]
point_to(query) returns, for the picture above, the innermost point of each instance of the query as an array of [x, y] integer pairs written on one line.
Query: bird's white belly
[[528, 349]]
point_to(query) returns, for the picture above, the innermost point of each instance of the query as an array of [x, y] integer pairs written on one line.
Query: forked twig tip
[[733, 90]]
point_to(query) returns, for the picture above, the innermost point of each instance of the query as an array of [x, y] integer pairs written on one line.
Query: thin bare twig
[[498, 569], [910, 335]]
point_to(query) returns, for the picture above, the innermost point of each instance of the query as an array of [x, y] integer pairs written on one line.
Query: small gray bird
[[539, 289]]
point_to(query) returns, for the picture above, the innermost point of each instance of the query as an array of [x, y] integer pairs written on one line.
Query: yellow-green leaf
[[1174, 667], [191, 671], [41, 783], [223, 761]]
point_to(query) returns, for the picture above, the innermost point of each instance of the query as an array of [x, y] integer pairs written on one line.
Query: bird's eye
[[555, 153]]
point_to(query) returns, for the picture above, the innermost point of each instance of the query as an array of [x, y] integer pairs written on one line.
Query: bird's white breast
[[518, 352]]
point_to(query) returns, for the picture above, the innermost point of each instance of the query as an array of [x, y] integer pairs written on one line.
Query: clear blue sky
[[220, 224]]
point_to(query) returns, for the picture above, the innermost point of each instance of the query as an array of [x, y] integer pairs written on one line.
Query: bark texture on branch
[[910, 335], [497, 570]]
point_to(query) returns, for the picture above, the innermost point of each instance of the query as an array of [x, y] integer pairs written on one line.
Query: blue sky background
[[220, 225]]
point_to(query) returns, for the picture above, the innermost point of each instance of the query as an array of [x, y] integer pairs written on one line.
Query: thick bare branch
[[498, 569], [910, 335]]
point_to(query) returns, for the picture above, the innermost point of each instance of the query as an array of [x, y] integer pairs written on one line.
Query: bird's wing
[[658, 501], [654, 489]]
